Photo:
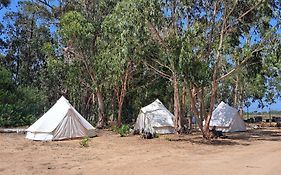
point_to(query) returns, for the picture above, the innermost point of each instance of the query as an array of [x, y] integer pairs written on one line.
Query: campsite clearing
[[253, 152]]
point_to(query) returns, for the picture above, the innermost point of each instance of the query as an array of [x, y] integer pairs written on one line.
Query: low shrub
[[85, 142], [123, 131]]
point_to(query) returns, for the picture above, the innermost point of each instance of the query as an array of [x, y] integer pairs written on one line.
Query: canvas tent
[[227, 119], [61, 121], [155, 118]]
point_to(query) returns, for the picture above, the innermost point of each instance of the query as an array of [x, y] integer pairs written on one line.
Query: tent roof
[[51, 119], [156, 105], [223, 115], [158, 114]]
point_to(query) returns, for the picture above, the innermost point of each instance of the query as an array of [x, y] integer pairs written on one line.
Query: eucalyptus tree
[[123, 44], [192, 41], [79, 30], [223, 24], [24, 37]]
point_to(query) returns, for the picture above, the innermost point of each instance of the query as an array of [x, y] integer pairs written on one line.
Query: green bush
[[19, 106], [85, 142], [123, 131]]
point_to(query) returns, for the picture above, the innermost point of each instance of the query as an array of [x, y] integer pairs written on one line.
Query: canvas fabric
[[155, 118], [227, 119], [62, 121]]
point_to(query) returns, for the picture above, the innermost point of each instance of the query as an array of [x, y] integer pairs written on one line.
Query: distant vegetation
[[265, 113]]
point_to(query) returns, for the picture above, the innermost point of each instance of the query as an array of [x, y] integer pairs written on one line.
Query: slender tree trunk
[[202, 104], [123, 93], [177, 108], [111, 119], [241, 104], [183, 99], [190, 123], [192, 94], [206, 131], [119, 120], [236, 92], [93, 101], [102, 119]]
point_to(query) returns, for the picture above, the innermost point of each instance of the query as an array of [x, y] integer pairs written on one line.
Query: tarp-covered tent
[[60, 122], [155, 118], [227, 119]]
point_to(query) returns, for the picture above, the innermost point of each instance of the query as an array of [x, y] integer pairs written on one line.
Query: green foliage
[[156, 135], [23, 108], [74, 26], [18, 105], [123, 131], [84, 142], [125, 38]]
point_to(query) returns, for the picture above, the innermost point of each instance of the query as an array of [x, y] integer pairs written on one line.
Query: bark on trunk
[[92, 118], [190, 123], [111, 119], [122, 94], [202, 104], [177, 108], [206, 129], [183, 99], [102, 119], [241, 101], [235, 102], [192, 94], [119, 120]]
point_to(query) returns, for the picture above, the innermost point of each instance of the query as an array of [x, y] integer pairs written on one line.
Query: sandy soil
[[252, 152]]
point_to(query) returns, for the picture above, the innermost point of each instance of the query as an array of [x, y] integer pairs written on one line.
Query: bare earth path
[[252, 152]]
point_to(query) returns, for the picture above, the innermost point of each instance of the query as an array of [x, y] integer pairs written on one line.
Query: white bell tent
[[227, 119], [155, 118], [60, 122]]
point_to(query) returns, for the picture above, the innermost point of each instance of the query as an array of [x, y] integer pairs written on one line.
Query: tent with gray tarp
[[155, 118]]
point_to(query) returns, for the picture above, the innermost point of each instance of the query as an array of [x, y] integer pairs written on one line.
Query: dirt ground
[[253, 152]]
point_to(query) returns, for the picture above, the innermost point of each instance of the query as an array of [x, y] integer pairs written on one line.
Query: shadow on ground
[[237, 138], [265, 134]]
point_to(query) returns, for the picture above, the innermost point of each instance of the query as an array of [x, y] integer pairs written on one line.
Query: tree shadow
[[199, 140], [264, 134], [231, 139]]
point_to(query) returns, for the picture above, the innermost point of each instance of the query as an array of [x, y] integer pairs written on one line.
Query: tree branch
[[46, 4], [240, 65], [164, 75], [82, 57], [157, 35], [163, 65], [244, 14]]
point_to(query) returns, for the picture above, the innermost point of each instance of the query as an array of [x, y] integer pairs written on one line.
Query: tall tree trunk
[[123, 92], [92, 118], [102, 119], [192, 94], [177, 108], [236, 92], [189, 118], [111, 118], [241, 104], [183, 99], [206, 130], [202, 104]]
